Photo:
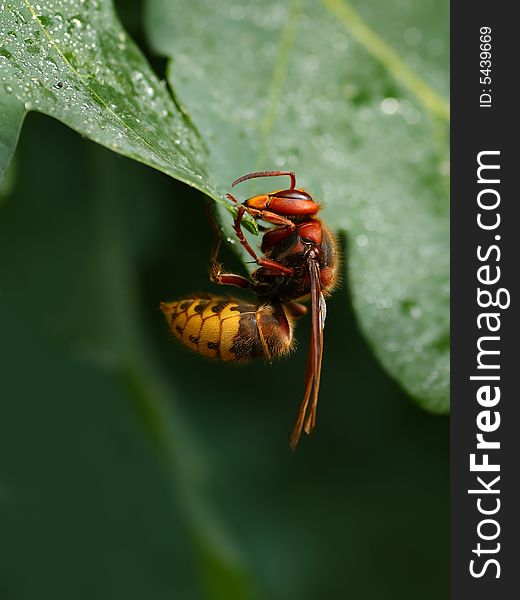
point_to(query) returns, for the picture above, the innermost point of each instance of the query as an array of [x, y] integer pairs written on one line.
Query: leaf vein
[[99, 98], [279, 77], [380, 50]]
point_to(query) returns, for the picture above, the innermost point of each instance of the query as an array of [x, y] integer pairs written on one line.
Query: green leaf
[[11, 117], [316, 88], [74, 61]]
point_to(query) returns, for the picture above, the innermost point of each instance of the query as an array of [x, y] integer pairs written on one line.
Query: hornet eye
[[293, 195]]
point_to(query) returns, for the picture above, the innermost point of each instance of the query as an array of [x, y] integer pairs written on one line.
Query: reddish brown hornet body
[[300, 260]]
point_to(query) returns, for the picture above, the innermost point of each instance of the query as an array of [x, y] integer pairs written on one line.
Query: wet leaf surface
[[75, 62]]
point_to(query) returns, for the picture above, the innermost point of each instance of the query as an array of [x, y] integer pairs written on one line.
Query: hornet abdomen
[[230, 330]]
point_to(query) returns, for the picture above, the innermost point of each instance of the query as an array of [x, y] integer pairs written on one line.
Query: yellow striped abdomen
[[230, 330]]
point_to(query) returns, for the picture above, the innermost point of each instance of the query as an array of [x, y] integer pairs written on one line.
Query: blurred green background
[[130, 468]]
